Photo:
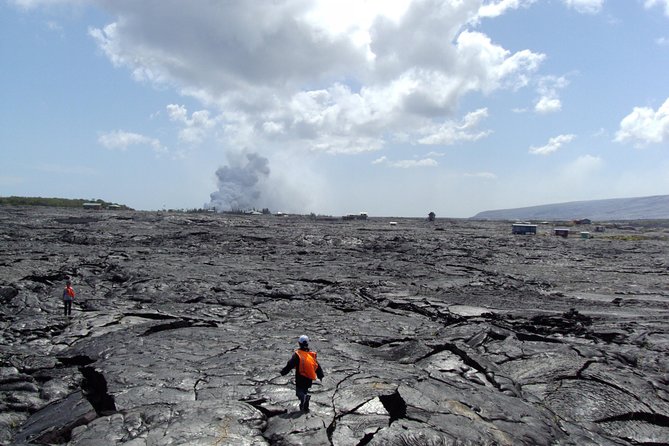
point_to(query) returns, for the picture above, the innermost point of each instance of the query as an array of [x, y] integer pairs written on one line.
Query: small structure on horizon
[[431, 216], [585, 235], [523, 228], [583, 221], [360, 216], [561, 232], [92, 205]]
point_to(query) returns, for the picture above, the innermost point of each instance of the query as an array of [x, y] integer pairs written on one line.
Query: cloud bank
[[645, 126], [280, 71]]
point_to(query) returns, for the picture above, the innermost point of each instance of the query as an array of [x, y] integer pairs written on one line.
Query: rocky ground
[[453, 332]]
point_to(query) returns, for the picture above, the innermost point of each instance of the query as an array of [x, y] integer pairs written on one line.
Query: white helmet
[[304, 339]]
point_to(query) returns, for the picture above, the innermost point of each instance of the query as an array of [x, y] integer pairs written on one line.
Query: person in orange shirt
[[68, 297], [307, 369]]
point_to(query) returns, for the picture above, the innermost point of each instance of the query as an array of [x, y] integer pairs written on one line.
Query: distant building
[[599, 229], [114, 207], [360, 216], [561, 232], [431, 216], [523, 228], [94, 205], [583, 221]]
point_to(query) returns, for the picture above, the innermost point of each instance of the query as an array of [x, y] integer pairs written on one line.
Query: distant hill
[[54, 202], [642, 208]]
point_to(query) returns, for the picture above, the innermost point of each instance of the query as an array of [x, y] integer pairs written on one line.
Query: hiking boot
[[305, 405]]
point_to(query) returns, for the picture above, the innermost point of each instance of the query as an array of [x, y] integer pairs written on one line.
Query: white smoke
[[240, 184]]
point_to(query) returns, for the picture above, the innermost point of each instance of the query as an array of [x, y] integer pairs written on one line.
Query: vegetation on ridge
[[53, 202]]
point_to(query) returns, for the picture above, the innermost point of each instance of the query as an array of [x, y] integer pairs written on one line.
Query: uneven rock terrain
[[444, 333]]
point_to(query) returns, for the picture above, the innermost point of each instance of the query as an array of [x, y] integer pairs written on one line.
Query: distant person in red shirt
[[307, 370], [68, 297]]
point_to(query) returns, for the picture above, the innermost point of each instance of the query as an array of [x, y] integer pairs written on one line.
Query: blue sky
[[396, 108]]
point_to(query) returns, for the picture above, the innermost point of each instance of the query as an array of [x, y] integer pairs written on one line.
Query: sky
[[390, 107]]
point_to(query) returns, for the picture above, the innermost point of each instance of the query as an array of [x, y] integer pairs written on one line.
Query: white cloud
[[323, 78], [552, 145], [645, 126], [451, 132], [121, 140], [498, 7], [196, 128], [548, 105], [548, 88], [586, 6], [407, 164], [662, 41], [650, 3]]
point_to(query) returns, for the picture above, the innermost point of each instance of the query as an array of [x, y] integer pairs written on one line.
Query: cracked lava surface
[[429, 333]]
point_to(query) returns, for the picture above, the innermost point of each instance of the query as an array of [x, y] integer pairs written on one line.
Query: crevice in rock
[[197, 383], [78, 360], [47, 279], [333, 424], [568, 323], [583, 368], [195, 300], [535, 338], [435, 350], [175, 325], [380, 343], [331, 428], [269, 412], [169, 326], [153, 316], [318, 281], [94, 387], [428, 311], [651, 418], [367, 438], [395, 405], [464, 357]]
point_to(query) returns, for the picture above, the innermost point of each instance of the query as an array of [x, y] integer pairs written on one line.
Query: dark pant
[[301, 393], [67, 306]]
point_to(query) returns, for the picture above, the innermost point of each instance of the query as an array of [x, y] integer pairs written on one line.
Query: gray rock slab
[[467, 335], [55, 422]]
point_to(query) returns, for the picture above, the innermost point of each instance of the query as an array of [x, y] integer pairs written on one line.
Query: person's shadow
[[292, 415]]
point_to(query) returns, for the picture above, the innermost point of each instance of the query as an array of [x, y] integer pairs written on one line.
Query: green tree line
[[55, 202]]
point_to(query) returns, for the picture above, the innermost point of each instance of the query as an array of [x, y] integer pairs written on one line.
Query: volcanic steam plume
[[240, 183]]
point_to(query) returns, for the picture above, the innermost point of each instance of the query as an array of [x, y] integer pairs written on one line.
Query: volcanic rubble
[[429, 333]]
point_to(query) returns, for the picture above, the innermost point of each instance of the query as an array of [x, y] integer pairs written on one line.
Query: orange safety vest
[[308, 364]]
